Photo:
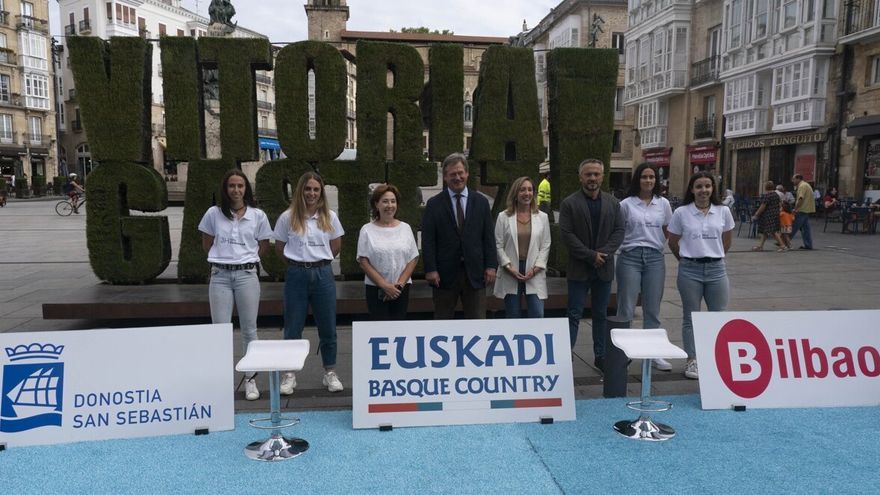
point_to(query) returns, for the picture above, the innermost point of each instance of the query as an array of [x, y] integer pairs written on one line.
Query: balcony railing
[[267, 132], [76, 125], [263, 79], [704, 128], [85, 26], [70, 30], [4, 18], [264, 105], [705, 71], [145, 34], [38, 140], [30, 22], [664, 81], [862, 15], [71, 94]]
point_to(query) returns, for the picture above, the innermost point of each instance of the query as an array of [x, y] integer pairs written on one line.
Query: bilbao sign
[[420, 373], [788, 358]]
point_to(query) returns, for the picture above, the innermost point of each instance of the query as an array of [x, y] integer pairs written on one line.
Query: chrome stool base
[[644, 429], [276, 448]]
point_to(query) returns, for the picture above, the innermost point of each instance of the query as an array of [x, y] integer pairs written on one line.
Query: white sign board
[[788, 358], [450, 372], [71, 386]]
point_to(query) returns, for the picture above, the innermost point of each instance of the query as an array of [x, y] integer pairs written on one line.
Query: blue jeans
[[641, 269], [802, 222], [512, 301], [698, 281], [242, 289], [600, 294], [316, 287]]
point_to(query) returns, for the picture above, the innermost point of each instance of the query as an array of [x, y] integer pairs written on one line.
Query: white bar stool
[[274, 356], [646, 344]]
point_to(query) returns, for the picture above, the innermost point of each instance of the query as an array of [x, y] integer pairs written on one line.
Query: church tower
[[327, 19]]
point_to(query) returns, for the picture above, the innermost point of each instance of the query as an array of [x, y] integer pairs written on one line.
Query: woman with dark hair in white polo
[[235, 233], [700, 236]]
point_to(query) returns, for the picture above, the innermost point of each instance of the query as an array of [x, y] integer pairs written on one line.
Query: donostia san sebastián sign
[[113, 81], [778, 140]]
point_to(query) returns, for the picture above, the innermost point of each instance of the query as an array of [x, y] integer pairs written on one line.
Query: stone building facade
[[859, 56], [28, 147]]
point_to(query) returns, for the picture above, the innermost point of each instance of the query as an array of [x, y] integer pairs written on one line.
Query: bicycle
[[65, 207]]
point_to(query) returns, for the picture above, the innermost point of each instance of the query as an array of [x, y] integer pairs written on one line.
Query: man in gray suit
[[592, 228]]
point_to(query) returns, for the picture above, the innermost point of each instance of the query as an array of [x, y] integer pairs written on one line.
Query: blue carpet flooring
[[757, 451]]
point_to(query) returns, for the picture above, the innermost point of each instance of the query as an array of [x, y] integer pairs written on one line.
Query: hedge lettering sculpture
[[113, 77]]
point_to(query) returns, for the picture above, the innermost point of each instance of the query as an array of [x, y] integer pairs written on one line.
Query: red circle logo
[[743, 358]]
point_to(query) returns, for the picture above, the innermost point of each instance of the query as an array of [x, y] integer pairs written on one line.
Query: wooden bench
[[172, 300]]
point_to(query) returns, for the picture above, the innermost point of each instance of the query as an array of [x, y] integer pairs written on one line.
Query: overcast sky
[[285, 20]]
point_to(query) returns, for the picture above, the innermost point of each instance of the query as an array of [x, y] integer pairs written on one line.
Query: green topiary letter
[[507, 139], [581, 111], [115, 106]]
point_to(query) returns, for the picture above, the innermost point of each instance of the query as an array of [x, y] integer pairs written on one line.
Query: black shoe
[[599, 363], [805, 248]]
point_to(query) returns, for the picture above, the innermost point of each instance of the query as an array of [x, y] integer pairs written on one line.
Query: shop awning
[[864, 126], [269, 144]]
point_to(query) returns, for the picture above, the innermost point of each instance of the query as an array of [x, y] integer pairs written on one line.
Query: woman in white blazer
[[522, 240]]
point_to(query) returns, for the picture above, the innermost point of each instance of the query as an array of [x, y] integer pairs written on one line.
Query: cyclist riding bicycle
[[73, 191]]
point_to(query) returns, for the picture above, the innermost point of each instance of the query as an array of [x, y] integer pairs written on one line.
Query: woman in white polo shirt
[[308, 235], [700, 234], [641, 266], [235, 234]]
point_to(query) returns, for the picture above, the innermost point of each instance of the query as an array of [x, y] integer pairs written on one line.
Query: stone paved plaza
[[43, 259]]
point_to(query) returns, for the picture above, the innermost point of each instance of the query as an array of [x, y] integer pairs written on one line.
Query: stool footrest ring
[[649, 405], [271, 426]]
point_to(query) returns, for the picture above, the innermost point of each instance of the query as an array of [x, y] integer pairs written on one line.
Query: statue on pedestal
[[221, 12]]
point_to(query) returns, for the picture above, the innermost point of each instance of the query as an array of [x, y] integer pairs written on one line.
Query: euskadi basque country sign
[[788, 358], [419, 373], [62, 387]]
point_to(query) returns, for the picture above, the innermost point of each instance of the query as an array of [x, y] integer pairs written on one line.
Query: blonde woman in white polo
[[308, 235]]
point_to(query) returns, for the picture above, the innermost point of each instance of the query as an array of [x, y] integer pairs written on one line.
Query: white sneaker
[[691, 371], [288, 383], [251, 392], [661, 364], [331, 381]]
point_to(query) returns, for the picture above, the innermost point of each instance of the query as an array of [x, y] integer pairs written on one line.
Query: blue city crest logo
[[33, 383]]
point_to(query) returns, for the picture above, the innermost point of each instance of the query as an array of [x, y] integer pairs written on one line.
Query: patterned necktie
[[459, 212]]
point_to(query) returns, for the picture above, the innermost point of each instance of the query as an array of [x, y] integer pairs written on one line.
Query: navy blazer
[[445, 249]]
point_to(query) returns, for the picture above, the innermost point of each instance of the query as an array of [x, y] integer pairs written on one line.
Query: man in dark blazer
[[458, 244], [592, 228]]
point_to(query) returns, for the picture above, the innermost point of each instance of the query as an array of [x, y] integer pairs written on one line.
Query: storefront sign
[[788, 358], [60, 387], [420, 373], [658, 157], [805, 165], [777, 140], [702, 155]]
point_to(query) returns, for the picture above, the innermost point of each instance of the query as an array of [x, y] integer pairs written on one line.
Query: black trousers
[[387, 310]]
